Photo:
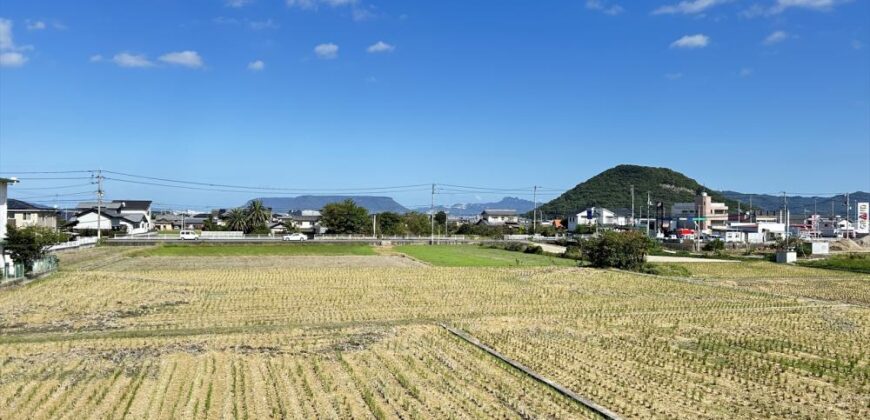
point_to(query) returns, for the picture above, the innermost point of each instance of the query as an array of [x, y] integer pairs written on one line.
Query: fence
[[86, 241], [388, 238], [41, 266]]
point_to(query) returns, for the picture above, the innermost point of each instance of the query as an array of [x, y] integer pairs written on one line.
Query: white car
[[188, 235], [294, 237]]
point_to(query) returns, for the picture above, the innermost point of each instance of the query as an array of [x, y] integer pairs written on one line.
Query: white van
[[188, 235]]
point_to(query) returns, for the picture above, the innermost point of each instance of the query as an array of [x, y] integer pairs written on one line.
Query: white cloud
[[360, 14], [96, 58], [238, 3], [12, 59], [313, 4], [688, 7], [822, 5], [256, 65], [857, 45], [35, 25], [183, 58], [673, 76], [776, 37], [745, 72], [263, 24], [6, 42], [10, 54], [125, 59], [691, 41], [326, 51], [604, 6], [380, 47]]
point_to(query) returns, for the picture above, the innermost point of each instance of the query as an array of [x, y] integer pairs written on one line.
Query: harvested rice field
[[116, 335]]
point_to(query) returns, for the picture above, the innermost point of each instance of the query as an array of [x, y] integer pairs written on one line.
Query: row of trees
[[253, 219], [347, 217]]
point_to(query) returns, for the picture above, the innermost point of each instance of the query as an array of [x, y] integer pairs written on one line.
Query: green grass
[[476, 256], [207, 250], [859, 263]]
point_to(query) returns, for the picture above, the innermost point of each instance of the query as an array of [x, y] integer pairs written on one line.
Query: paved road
[[669, 259]]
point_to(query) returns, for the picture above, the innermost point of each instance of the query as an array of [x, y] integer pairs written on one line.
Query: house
[[23, 214], [109, 219], [599, 216], [711, 214], [132, 210], [280, 227], [5, 261], [306, 224], [499, 217]]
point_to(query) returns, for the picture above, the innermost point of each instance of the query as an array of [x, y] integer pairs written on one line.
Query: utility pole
[[432, 217], [535, 210], [99, 204], [785, 215], [848, 208], [374, 225], [632, 207], [751, 212], [647, 213], [815, 217]]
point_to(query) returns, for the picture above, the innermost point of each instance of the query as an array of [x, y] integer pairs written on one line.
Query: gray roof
[[500, 212], [18, 205]]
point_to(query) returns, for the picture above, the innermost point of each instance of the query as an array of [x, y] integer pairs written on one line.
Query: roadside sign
[[698, 219]]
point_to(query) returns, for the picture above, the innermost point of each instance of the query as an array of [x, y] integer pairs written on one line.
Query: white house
[[109, 220], [594, 216], [499, 217], [4, 183], [131, 211]]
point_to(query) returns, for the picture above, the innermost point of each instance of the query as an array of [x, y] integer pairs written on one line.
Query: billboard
[[863, 223]]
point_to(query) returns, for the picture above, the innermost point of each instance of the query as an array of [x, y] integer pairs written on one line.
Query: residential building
[[4, 259], [713, 214], [595, 216], [305, 221], [22, 214], [499, 217], [109, 219], [131, 210]]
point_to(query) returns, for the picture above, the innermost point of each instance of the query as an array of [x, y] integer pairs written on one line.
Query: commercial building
[[711, 214]]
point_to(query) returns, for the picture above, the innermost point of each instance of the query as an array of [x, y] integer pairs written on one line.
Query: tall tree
[[31, 243], [417, 223], [391, 224], [441, 218], [345, 217], [237, 220], [258, 214]]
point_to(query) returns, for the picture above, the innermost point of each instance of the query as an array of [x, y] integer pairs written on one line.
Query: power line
[[47, 172]]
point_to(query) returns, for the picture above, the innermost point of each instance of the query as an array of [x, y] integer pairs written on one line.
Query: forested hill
[[611, 189]]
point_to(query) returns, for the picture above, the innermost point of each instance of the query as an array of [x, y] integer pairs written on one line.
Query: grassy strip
[[230, 250], [476, 256], [859, 263]]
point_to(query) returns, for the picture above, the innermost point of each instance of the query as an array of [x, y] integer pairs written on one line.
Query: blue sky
[[755, 96]]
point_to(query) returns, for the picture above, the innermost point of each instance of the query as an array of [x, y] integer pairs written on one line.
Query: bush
[[625, 250], [715, 245], [572, 252], [534, 249], [670, 270], [31, 243]]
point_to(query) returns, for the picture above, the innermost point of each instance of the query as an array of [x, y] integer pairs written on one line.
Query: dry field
[[113, 336]]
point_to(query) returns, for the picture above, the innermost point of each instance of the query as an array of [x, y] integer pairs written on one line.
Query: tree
[[417, 223], [441, 218], [210, 224], [258, 214], [237, 220], [625, 250], [31, 243], [391, 224], [345, 217], [715, 245]]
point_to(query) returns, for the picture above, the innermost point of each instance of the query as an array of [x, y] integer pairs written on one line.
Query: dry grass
[[134, 340]]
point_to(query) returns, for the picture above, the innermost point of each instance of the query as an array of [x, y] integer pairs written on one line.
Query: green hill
[[611, 189]]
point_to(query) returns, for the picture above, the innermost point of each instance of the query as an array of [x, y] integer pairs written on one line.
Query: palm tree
[[237, 220], [258, 215]]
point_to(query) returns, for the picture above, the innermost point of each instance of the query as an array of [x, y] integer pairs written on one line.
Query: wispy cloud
[[691, 41], [238, 3], [313, 4], [604, 6], [327, 51], [775, 38], [190, 59], [688, 7], [126, 59], [674, 76], [96, 58], [745, 72], [37, 25], [857, 45], [257, 65], [380, 47], [10, 54], [263, 24], [780, 6]]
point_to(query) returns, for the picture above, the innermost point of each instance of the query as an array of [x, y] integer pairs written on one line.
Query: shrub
[[534, 249], [715, 245], [625, 250]]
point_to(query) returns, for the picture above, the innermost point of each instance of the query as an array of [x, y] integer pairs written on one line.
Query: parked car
[[188, 235], [294, 237]]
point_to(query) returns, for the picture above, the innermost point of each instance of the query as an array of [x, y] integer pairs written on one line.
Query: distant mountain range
[[472, 209], [799, 204], [316, 202]]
